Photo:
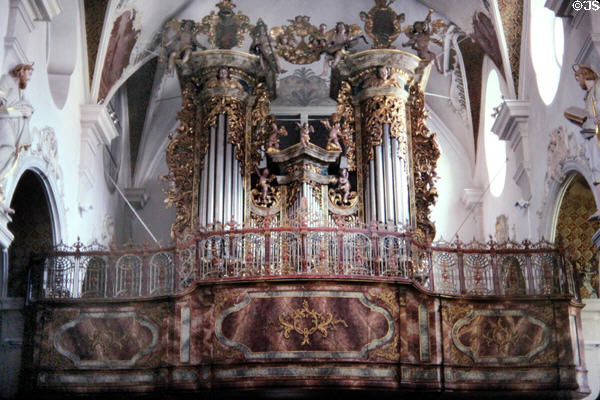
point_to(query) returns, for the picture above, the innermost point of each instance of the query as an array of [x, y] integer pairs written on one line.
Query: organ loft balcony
[[303, 255]]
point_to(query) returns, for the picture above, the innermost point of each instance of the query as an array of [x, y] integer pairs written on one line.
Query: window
[[546, 54], [495, 149]]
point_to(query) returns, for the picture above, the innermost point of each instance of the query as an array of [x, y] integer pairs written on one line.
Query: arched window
[[495, 149], [547, 45]]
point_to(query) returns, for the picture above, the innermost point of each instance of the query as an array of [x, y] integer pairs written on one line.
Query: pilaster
[[511, 126]]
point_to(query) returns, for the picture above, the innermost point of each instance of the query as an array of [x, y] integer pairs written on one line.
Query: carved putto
[[338, 42], [182, 43], [223, 80], [264, 195], [304, 43], [335, 133], [382, 24], [421, 35], [382, 77], [262, 46], [276, 133], [305, 131], [342, 196], [225, 29]]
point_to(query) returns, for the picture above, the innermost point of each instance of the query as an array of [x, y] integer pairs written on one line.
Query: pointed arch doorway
[[32, 228]]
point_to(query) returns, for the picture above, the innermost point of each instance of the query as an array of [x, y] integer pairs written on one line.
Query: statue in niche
[[264, 178], [382, 24], [276, 133], [15, 111], [381, 78], [589, 118], [263, 47], [305, 131], [421, 35], [335, 133], [337, 42], [223, 80], [181, 45]]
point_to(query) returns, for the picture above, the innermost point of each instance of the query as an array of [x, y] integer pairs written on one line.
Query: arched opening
[[576, 232], [33, 233]]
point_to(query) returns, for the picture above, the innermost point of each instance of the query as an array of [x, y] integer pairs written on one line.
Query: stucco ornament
[[15, 111]]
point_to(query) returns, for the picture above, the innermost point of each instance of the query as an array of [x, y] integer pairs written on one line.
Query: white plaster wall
[[67, 126]]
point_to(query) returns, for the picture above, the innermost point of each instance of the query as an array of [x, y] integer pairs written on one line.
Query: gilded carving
[[180, 160], [236, 115], [342, 196], [321, 322], [303, 43], [503, 336], [382, 24], [380, 110], [261, 124], [265, 195], [424, 174], [346, 111]]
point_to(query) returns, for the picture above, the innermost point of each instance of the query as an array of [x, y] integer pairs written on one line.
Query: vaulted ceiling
[[124, 37]]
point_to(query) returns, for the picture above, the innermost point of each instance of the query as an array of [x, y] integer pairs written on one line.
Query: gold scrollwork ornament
[[321, 322]]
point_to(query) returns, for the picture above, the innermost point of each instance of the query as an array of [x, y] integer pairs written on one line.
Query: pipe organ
[[307, 261], [361, 171]]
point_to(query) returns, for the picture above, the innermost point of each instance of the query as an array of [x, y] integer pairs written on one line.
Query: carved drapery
[[424, 174], [379, 110]]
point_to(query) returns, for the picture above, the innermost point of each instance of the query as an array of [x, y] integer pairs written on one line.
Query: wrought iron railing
[[492, 269]]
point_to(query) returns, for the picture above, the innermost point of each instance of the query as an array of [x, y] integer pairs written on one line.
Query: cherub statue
[[339, 40], [15, 110], [182, 43], [381, 78], [224, 80], [588, 119], [335, 133], [343, 185], [305, 131], [421, 35], [264, 178], [262, 46], [276, 133]]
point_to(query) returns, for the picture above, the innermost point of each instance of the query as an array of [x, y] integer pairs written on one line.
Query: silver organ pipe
[[387, 175], [219, 186], [399, 189], [210, 207], [379, 184], [372, 192], [227, 212]]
